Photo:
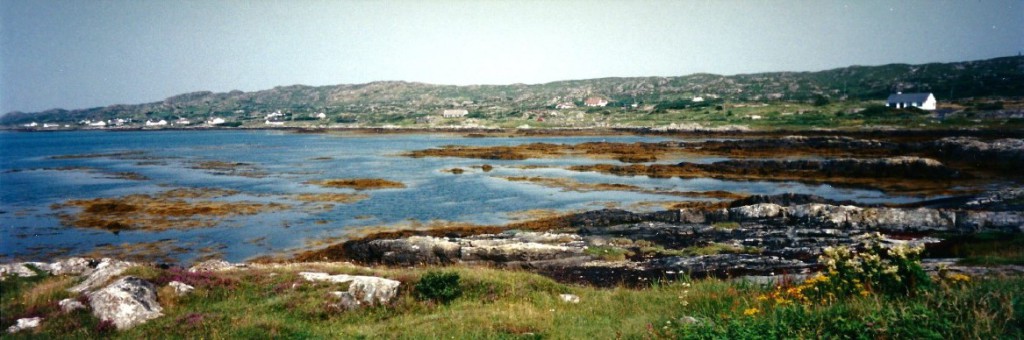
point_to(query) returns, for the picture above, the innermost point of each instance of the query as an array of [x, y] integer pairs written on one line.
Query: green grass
[[513, 304], [608, 253]]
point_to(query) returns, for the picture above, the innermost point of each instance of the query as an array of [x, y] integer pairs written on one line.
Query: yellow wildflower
[[957, 277], [751, 311]]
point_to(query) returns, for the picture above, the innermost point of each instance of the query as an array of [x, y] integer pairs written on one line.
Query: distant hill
[[993, 77]]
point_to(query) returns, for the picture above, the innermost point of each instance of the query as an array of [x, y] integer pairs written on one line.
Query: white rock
[[15, 269], [71, 266], [70, 305], [569, 298], [180, 288], [833, 215], [369, 290], [107, 269], [24, 324], [756, 211], [127, 302]]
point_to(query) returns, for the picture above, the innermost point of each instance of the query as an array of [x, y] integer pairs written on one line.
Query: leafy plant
[[439, 286]]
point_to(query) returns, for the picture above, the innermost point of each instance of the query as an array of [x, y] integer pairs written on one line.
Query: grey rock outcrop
[[15, 269], [494, 248], [70, 266], [127, 302], [104, 271], [407, 251], [521, 247], [367, 290]]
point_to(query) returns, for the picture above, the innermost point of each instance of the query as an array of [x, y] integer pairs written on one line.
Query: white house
[[156, 123], [698, 99], [182, 121], [273, 123], [454, 113], [595, 102], [900, 100], [98, 124], [48, 125], [321, 115], [32, 124], [216, 121]]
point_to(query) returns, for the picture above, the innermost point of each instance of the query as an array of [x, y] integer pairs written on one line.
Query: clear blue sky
[[77, 54]]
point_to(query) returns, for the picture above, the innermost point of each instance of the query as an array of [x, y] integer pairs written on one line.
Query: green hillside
[[396, 101]]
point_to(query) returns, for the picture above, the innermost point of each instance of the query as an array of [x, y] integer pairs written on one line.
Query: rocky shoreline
[[760, 235], [758, 238]]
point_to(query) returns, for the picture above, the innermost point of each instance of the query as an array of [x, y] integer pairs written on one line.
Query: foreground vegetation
[[873, 293]]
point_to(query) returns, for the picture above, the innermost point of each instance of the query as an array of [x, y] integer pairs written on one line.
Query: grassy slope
[[512, 304]]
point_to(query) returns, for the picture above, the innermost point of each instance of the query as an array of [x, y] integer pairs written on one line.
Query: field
[[275, 302]]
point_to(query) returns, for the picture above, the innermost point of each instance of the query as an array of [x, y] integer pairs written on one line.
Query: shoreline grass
[[494, 303]]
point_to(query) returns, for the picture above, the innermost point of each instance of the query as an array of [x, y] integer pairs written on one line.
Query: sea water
[[34, 176]]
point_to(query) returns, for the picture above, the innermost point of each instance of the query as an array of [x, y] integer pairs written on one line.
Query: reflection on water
[[32, 181]]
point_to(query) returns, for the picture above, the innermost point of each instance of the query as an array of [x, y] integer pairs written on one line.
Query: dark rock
[[787, 199], [415, 250]]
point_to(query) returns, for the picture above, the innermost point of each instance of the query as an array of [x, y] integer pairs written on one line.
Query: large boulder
[[367, 290], [107, 269], [127, 302]]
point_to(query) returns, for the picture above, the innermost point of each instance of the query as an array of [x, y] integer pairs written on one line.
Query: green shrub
[[439, 286]]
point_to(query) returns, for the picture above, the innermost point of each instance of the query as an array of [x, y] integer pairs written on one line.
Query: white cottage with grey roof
[[900, 100]]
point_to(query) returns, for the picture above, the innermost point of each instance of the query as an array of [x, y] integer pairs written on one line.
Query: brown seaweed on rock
[[173, 209], [358, 183], [908, 175]]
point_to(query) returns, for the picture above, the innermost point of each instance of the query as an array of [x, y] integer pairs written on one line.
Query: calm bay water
[[31, 180]]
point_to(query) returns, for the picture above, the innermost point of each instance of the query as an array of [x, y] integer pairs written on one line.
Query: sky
[[80, 54]]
